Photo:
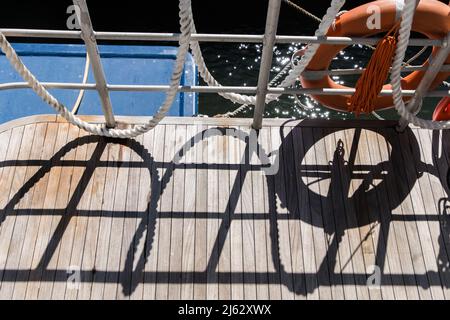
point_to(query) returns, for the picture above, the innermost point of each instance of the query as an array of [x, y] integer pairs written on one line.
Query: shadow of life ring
[[432, 19], [334, 172]]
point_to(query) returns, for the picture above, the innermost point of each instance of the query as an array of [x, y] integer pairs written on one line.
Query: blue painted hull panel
[[142, 65]]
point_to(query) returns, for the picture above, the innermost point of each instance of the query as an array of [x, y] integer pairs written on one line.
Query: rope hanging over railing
[[80, 97], [41, 91], [399, 104]]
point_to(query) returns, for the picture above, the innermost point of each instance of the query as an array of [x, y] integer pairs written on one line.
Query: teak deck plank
[[68, 230], [397, 227], [235, 231], [213, 224], [262, 251], [328, 223], [104, 232], [15, 153], [341, 234], [94, 151], [83, 217], [176, 237], [15, 177], [438, 228], [390, 263], [224, 262], [273, 263], [320, 240], [296, 202], [93, 224], [17, 224], [281, 224], [420, 201], [144, 223], [38, 225], [412, 233], [154, 206], [190, 197], [374, 232], [165, 225], [42, 281], [200, 236], [129, 250], [248, 231], [117, 239]]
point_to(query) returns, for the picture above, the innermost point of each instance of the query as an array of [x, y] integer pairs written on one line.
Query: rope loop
[[399, 104], [100, 129]]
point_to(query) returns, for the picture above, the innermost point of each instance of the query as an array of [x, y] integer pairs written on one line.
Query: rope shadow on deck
[[300, 283]]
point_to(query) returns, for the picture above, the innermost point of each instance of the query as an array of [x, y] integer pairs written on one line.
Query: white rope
[[302, 10], [403, 111], [377, 116], [186, 29], [80, 97], [415, 57]]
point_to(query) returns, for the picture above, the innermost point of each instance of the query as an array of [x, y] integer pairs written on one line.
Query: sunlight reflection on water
[[239, 65]]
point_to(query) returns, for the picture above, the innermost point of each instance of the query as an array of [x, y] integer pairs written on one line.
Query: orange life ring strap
[[442, 111]]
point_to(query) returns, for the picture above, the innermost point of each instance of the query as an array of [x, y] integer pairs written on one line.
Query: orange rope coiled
[[374, 77]]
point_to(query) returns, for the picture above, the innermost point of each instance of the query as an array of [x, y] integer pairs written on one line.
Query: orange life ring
[[432, 19]]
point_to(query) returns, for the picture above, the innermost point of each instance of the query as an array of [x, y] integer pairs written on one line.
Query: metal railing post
[[273, 15], [88, 35]]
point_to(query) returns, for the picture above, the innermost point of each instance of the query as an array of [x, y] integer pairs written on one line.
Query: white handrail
[[200, 37], [209, 89]]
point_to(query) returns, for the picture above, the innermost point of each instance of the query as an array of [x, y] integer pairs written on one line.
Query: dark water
[[238, 64]]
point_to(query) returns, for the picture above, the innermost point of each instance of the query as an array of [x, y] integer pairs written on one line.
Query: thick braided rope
[[310, 52], [324, 26], [403, 111], [102, 130]]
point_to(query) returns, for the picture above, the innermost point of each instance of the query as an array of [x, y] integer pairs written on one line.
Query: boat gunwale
[[220, 122]]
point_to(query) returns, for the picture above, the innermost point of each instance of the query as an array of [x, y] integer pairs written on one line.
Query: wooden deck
[[192, 211]]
